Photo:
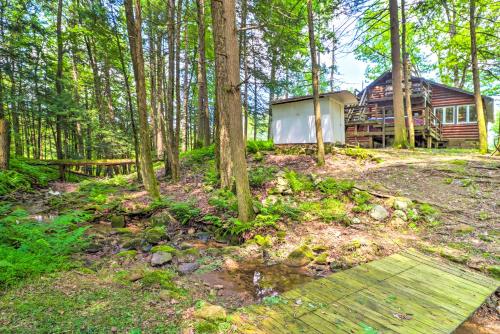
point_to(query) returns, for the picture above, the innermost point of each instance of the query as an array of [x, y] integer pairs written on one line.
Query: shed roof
[[343, 96]]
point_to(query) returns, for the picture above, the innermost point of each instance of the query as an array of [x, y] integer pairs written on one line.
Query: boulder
[[187, 268], [161, 218], [400, 214], [401, 203], [397, 223], [134, 243], [300, 257], [378, 212], [160, 258], [211, 313], [117, 221], [155, 234]]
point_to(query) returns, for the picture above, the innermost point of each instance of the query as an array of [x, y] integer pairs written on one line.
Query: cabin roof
[[343, 96]]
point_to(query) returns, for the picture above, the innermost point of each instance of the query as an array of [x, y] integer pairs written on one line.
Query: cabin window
[[448, 115], [463, 114]]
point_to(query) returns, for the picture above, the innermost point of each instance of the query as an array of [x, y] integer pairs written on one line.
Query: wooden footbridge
[[406, 292]]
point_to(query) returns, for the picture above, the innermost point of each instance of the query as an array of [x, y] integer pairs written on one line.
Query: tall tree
[[481, 122], [203, 114], [59, 87], [134, 25], [315, 86], [227, 70], [400, 139], [407, 78]]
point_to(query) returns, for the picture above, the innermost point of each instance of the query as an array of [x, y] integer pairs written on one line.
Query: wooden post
[[383, 127], [429, 140], [4, 144]]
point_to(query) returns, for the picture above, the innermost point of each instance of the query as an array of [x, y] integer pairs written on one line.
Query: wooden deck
[[406, 292]]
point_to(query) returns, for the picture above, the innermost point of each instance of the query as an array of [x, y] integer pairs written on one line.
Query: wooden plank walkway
[[406, 292]]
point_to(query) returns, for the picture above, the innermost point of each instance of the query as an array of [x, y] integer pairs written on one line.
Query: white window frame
[[443, 115], [455, 114]]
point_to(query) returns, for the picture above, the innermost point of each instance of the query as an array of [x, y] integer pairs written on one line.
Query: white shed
[[293, 118]]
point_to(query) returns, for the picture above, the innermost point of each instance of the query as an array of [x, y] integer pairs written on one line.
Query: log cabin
[[443, 116]]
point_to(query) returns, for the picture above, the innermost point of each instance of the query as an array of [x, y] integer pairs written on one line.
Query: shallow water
[[256, 280]]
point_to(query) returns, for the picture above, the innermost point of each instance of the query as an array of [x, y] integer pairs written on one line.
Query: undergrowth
[[29, 248]]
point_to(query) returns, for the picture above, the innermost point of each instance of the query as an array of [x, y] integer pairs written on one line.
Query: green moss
[[321, 258], [263, 241], [302, 251], [255, 146], [155, 234], [128, 254], [494, 271], [164, 248], [328, 210]]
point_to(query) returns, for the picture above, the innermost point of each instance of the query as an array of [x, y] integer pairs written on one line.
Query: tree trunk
[[271, 95], [134, 22], [481, 121], [172, 152], [59, 88], [178, 106], [203, 114], [407, 79], [315, 86], [4, 144], [227, 71], [400, 139]]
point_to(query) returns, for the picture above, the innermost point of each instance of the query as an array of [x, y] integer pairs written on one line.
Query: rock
[[397, 223], [185, 245], [191, 231], [463, 229], [160, 258], [135, 275], [117, 221], [164, 295], [146, 247], [300, 257], [454, 255], [335, 266], [282, 186], [210, 312], [155, 234], [400, 214], [401, 203], [134, 243], [203, 236], [163, 248], [231, 265], [378, 212], [218, 287], [94, 247], [161, 218], [355, 220], [187, 268]]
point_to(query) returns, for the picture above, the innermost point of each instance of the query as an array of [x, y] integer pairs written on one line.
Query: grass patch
[[198, 156]]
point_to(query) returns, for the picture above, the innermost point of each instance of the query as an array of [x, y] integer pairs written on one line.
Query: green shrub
[[258, 176], [211, 176], [224, 200], [29, 248], [254, 146], [279, 208], [184, 212], [298, 182], [198, 156], [330, 186], [22, 176]]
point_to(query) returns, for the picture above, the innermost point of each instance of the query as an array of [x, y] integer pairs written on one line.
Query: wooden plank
[[452, 269], [408, 293]]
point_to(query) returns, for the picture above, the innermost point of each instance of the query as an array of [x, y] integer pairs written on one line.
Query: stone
[[299, 257], [378, 212], [134, 243], [161, 218], [400, 214], [155, 234], [210, 312], [402, 203], [203, 236], [463, 229], [191, 231], [160, 258], [355, 220], [397, 223], [187, 268], [117, 221], [230, 264], [218, 286], [164, 295]]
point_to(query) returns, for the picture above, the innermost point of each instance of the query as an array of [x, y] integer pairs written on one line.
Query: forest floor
[[185, 263]]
